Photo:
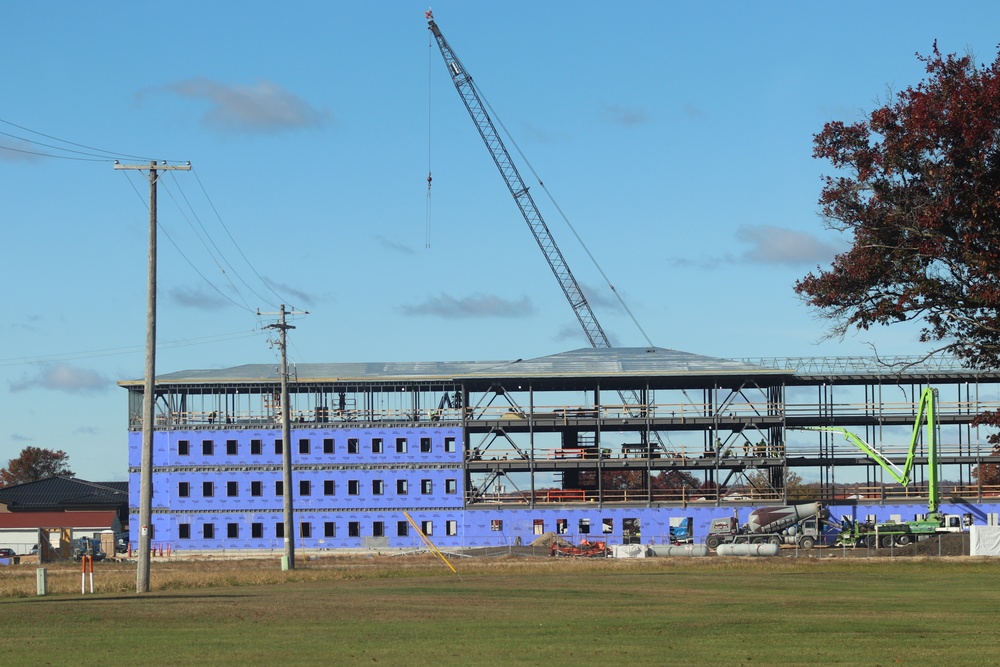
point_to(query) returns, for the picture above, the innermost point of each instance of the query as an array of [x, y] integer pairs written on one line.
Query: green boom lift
[[856, 533]]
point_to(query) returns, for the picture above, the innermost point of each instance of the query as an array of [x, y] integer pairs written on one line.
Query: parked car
[[7, 553]]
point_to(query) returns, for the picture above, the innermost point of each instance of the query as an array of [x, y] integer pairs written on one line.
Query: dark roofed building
[[66, 494]]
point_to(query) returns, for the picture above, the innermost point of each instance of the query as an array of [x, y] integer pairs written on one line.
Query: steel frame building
[[495, 453]]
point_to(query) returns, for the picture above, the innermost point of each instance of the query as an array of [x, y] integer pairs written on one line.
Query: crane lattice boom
[[470, 96]]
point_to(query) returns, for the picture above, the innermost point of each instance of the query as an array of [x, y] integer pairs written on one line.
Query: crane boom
[[926, 410], [470, 96]]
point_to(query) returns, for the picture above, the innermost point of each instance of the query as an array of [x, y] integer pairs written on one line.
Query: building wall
[[352, 495], [345, 480]]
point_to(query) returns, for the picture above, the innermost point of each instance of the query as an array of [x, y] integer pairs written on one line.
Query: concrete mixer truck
[[788, 524]]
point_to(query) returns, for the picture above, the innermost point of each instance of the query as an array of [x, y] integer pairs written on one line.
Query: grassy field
[[413, 611]]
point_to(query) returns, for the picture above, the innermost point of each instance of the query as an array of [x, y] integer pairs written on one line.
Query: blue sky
[[676, 137]]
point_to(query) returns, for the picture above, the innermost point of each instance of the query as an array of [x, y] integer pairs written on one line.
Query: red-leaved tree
[[917, 187], [33, 464]]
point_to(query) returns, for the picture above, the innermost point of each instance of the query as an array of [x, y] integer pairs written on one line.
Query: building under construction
[[613, 444]]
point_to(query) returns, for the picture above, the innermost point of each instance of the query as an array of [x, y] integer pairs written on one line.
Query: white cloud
[[64, 377], [478, 305], [264, 107], [777, 245]]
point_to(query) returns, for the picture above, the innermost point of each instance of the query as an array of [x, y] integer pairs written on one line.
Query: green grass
[[413, 611]]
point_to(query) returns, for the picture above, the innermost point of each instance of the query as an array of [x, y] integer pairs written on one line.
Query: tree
[[33, 464], [621, 480], [675, 480], [919, 190], [988, 474], [788, 483]]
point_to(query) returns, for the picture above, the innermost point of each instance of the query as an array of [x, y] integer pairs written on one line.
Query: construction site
[[624, 444]]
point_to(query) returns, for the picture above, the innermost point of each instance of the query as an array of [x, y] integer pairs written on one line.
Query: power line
[[222, 255], [205, 245], [110, 154], [116, 351], [236, 245], [188, 260]]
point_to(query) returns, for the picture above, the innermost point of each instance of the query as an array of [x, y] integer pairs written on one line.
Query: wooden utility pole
[[149, 389], [286, 434]]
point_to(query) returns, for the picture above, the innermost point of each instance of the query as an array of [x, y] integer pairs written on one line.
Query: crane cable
[[563, 216], [427, 222]]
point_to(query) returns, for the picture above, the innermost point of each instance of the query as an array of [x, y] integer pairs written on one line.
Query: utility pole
[[286, 434], [149, 389]]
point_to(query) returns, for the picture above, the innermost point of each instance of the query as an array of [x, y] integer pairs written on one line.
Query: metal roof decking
[[609, 363]]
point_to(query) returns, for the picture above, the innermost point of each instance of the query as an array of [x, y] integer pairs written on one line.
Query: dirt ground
[[954, 544]]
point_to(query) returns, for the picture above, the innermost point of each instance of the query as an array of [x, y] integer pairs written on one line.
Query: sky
[[674, 140]]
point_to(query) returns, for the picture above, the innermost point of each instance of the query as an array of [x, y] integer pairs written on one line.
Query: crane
[[902, 533], [926, 409], [519, 190]]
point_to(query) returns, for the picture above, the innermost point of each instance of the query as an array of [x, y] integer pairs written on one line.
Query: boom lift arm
[[927, 409], [470, 96]]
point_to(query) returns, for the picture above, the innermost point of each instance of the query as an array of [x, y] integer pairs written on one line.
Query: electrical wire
[[427, 223], [107, 154], [218, 250], [236, 245], [166, 233], [116, 351], [203, 242]]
